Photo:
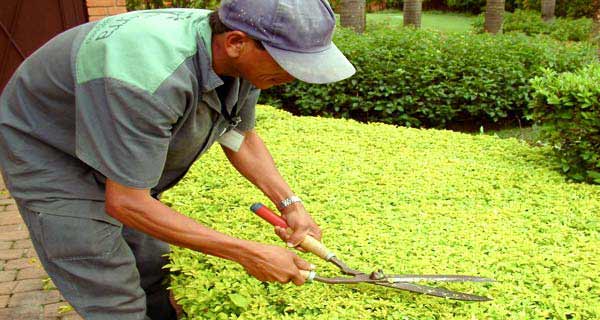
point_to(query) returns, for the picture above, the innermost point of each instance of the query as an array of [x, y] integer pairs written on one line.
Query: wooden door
[[26, 25]]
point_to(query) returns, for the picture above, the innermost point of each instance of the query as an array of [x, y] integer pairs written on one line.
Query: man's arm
[[137, 209], [254, 162]]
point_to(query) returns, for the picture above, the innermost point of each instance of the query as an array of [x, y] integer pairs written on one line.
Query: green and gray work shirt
[[131, 98]]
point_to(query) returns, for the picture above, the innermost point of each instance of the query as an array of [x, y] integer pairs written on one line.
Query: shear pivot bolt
[[376, 275]]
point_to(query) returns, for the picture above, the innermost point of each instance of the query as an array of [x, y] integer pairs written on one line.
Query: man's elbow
[[121, 200], [115, 206]]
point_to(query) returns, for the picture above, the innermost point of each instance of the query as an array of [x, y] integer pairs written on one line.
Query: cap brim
[[319, 67]]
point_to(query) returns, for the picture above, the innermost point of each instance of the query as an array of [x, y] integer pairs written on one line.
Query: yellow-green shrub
[[408, 201]]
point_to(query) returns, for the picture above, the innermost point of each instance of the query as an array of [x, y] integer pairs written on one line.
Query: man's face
[[257, 66]]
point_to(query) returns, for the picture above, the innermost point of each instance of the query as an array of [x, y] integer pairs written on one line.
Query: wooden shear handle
[[309, 243]]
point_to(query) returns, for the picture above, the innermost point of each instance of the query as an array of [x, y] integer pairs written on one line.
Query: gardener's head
[[274, 41]]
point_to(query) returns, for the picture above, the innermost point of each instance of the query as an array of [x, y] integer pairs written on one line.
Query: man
[[106, 116]]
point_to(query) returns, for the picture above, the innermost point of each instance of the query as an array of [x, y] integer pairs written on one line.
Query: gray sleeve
[[122, 131], [247, 111]]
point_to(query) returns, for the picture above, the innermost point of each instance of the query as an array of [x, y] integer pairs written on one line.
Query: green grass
[[444, 22], [407, 201]]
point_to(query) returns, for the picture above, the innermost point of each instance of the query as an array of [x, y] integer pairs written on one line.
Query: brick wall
[[98, 9]]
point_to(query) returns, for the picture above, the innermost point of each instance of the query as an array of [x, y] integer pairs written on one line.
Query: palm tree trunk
[[493, 16], [352, 14], [596, 30], [548, 8], [412, 13]]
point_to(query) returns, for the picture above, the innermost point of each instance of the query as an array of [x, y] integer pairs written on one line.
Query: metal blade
[[432, 291], [393, 278], [381, 278], [437, 292]]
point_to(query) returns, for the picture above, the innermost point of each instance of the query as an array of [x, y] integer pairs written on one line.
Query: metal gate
[[26, 25]]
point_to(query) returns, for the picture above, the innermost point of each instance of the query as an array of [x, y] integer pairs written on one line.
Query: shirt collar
[[209, 80]]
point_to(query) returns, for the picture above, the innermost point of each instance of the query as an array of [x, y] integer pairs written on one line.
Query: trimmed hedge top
[[408, 201], [423, 78], [531, 23]]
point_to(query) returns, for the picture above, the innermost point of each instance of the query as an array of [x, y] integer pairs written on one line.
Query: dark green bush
[[423, 78], [157, 4], [473, 6], [568, 106], [530, 22], [565, 29], [478, 6], [564, 8], [527, 21]]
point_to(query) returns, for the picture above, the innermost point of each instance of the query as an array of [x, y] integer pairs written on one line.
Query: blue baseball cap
[[296, 33]]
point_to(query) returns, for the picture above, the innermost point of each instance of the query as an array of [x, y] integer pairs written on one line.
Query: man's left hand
[[301, 222]]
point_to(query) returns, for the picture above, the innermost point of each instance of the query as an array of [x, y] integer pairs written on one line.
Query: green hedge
[[568, 105], [407, 201], [157, 4], [422, 78], [473, 6], [564, 8], [531, 23]]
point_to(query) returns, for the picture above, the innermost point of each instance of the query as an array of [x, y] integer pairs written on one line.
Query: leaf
[[238, 300], [595, 175]]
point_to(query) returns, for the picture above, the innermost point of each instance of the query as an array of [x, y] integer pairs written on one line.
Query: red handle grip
[[268, 215], [309, 243]]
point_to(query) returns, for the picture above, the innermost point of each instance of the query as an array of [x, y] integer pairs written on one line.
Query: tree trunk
[[412, 13], [352, 15], [548, 8], [596, 30], [493, 16]]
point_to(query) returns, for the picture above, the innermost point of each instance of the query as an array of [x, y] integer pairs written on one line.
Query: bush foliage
[[157, 4], [568, 105], [422, 78], [408, 201], [531, 23], [564, 8]]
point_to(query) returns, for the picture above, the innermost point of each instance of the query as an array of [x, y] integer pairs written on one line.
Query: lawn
[[444, 22], [407, 201]]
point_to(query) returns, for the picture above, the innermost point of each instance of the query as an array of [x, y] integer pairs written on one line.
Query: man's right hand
[[273, 263]]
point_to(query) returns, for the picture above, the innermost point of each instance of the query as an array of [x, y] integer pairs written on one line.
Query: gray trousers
[[104, 271]]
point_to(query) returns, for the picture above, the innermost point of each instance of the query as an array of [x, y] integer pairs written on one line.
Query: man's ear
[[235, 42]]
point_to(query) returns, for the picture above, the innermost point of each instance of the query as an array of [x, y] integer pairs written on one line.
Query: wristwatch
[[287, 202]]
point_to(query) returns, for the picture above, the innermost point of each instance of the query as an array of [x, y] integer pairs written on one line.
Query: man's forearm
[[150, 216], [254, 162]]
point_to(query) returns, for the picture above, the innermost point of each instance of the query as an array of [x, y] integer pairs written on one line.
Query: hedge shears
[[405, 282]]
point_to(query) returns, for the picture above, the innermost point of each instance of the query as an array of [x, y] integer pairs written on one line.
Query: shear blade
[[445, 278], [437, 292]]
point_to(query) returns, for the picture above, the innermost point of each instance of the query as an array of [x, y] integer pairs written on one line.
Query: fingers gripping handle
[[308, 275], [309, 243]]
